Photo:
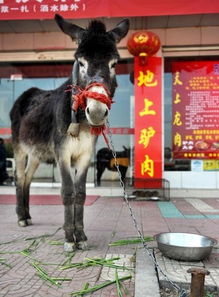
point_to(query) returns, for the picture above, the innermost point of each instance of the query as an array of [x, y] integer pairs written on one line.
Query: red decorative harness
[[79, 101]]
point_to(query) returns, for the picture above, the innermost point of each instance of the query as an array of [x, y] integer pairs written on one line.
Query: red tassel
[[100, 130], [97, 130]]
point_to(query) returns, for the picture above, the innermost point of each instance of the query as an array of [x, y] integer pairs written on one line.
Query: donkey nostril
[[88, 110], [106, 113]]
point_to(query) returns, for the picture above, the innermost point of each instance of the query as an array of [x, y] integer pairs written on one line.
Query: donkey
[[46, 127], [105, 160]]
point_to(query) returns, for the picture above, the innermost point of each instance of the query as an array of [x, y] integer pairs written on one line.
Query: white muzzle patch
[[96, 111]]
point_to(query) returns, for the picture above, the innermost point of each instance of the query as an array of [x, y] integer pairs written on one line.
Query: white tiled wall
[[192, 180]]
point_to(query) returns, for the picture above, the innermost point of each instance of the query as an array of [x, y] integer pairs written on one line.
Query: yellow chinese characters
[[142, 38], [147, 79], [177, 140], [177, 98], [147, 166], [177, 119], [177, 80], [145, 136], [147, 110]]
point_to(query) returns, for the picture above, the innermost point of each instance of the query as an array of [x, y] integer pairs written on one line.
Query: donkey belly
[[42, 152]]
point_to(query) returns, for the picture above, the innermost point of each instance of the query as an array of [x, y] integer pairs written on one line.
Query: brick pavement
[[177, 271], [102, 224], [106, 220]]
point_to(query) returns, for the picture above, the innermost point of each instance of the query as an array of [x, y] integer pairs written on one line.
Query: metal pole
[[198, 280]]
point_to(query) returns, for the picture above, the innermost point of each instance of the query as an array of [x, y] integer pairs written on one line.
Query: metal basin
[[185, 246]]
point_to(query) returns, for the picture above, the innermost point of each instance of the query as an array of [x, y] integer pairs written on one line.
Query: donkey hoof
[[29, 222], [22, 223], [82, 245], [69, 247]]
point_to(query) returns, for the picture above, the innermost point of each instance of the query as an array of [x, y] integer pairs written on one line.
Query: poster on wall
[[195, 110], [148, 122]]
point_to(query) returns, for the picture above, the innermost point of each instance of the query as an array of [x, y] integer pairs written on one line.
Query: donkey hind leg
[[68, 198], [31, 167], [80, 195], [23, 179]]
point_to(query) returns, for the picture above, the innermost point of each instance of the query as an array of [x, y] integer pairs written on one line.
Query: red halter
[[79, 101]]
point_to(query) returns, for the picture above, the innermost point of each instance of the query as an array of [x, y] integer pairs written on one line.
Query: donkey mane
[[96, 27], [96, 42]]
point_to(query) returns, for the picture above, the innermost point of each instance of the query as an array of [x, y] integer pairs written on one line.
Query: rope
[[181, 292], [79, 99]]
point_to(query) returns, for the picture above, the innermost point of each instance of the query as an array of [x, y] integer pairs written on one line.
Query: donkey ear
[[72, 30], [120, 30]]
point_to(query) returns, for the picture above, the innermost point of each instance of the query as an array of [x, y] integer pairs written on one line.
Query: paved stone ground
[[102, 225], [177, 271], [107, 220]]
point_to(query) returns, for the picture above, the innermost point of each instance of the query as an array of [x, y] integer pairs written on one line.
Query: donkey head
[[95, 61]]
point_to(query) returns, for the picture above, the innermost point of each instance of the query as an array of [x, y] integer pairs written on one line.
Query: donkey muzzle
[[96, 111]]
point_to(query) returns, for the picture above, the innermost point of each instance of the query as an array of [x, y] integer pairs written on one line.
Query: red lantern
[[143, 44]]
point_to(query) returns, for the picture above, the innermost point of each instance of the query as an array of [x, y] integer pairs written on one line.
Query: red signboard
[[45, 9], [195, 123], [148, 120]]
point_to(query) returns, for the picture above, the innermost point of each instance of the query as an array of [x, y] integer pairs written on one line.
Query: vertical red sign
[[148, 120]]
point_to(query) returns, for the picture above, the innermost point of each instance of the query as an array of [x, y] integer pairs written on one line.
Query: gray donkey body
[[40, 121]]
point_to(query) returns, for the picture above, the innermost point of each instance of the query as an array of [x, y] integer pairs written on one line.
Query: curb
[[146, 282]]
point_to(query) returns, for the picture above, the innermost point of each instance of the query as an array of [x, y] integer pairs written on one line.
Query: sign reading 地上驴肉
[[195, 117], [148, 121]]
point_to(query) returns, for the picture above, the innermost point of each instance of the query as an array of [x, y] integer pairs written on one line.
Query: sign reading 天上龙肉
[[195, 117], [148, 120]]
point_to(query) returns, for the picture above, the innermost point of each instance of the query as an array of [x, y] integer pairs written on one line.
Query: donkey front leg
[[68, 198], [80, 193]]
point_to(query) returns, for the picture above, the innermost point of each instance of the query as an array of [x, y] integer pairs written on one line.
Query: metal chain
[[182, 292]]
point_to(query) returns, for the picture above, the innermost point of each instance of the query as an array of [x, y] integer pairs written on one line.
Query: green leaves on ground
[[130, 241], [44, 235], [3, 262], [96, 262], [100, 286], [42, 273], [67, 264]]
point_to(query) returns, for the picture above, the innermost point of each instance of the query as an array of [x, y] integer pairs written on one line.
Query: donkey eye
[[81, 64], [113, 65]]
